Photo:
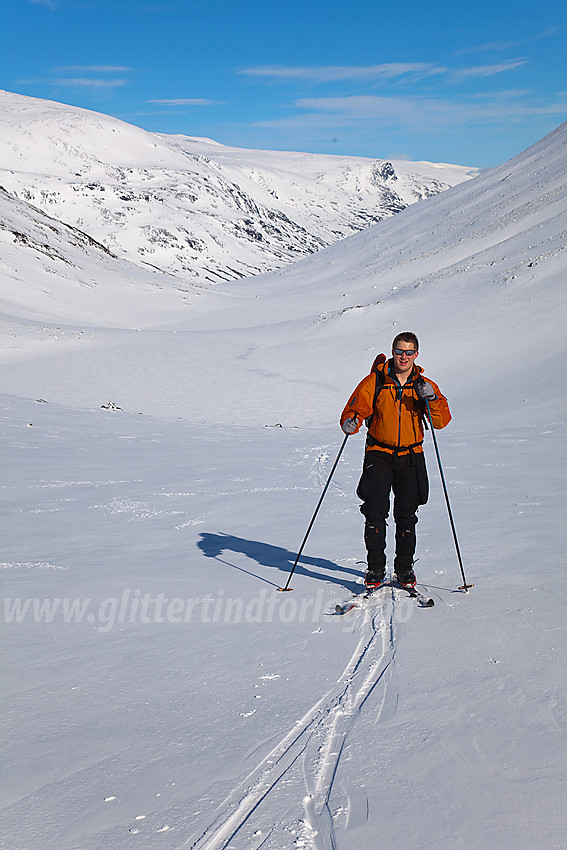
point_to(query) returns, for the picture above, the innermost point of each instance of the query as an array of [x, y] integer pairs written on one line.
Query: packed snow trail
[[373, 668], [319, 737]]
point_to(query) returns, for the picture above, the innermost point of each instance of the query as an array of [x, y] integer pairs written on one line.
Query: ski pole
[[464, 586], [287, 587]]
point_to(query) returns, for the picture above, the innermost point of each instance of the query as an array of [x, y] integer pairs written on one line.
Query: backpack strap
[[380, 379]]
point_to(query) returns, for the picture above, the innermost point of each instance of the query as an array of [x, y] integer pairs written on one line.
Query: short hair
[[407, 336]]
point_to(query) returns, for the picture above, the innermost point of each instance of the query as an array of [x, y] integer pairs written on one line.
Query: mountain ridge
[[192, 207]]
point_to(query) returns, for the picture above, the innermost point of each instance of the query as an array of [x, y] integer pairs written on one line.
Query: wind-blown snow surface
[[172, 696], [192, 207]]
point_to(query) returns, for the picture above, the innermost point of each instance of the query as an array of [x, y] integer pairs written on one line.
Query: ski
[[358, 600], [424, 601]]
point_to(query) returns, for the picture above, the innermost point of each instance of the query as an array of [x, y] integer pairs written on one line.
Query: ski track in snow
[[319, 738]]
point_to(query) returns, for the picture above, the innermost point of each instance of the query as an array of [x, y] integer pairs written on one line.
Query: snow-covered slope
[[190, 206], [50, 270], [477, 272], [158, 690]]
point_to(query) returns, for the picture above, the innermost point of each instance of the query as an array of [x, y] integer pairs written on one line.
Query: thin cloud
[[49, 4], [549, 32], [94, 69], [480, 71], [508, 45], [88, 82], [492, 45], [184, 101], [504, 94], [415, 113], [407, 111], [402, 72], [336, 73]]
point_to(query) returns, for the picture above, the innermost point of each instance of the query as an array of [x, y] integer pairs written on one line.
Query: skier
[[392, 400]]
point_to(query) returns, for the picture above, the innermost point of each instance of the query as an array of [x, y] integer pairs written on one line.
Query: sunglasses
[[410, 352]]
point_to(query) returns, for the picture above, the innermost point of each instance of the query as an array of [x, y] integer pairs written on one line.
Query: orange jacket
[[397, 422]]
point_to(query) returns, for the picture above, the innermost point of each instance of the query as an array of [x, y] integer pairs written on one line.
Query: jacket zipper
[[400, 390]]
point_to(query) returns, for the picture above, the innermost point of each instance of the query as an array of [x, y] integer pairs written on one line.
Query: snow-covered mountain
[[192, 207], [157, 688], [51, 269], [470, 268]]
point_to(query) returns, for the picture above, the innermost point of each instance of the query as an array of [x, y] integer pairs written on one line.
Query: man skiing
[[393, 399]]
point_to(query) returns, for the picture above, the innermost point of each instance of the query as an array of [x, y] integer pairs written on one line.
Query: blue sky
[[462, 82]]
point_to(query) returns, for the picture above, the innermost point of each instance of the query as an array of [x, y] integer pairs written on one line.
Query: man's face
[[404, 355]]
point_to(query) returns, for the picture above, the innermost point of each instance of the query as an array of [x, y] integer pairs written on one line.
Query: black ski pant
[[405, 476]]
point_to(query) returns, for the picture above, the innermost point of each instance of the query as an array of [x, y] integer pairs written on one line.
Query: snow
[[163, 458], [189, 207]]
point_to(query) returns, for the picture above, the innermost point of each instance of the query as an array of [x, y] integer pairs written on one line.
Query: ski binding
[[358, 600]]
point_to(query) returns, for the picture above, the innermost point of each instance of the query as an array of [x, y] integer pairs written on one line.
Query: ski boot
[[373, 578], [407, 578]]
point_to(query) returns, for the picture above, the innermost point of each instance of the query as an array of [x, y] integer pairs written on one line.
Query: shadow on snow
[[275, 557]]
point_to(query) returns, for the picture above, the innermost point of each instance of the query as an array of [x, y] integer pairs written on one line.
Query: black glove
[[424, 390]]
